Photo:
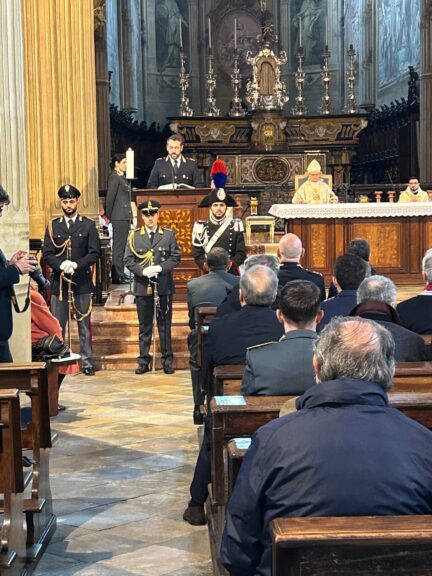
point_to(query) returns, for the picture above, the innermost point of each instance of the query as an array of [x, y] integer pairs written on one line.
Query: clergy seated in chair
[[314, 187]]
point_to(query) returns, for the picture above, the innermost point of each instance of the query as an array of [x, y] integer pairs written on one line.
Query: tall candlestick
[[209, 32], [130, 164], [235, 33], [300, 31], [181, 34]]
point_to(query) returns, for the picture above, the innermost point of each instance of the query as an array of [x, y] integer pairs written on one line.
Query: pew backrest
[[360, 545]]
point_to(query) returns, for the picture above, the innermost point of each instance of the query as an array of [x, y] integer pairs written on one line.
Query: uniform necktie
[[69, 223], [151, 237]]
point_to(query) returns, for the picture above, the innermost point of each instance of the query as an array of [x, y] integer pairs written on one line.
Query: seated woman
[[314, 190], [43, 323]]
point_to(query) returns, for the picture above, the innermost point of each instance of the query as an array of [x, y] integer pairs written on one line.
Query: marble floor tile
[[120, 475]]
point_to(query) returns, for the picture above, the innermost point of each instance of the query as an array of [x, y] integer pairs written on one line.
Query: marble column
[[60, 84], [368, 75], [129, 23], [102, 94], [425, 148], [14, 225]]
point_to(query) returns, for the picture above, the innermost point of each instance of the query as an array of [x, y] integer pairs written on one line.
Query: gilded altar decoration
[[271, 170], [321, 130], [266, 91], [180, 222], [218, 132]]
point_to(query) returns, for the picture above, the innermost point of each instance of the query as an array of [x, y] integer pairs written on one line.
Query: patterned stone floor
[[120, 472]]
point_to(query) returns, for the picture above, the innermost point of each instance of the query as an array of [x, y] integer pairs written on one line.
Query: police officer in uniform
[[151, 254], [220, 230], [71, 247], [174, 169]]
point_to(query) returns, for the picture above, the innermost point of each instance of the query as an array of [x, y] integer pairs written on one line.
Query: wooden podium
[[179, 211]]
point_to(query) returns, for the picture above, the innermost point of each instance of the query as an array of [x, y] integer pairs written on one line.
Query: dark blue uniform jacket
[[345, 452]]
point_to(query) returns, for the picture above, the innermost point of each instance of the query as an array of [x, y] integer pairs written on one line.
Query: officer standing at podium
[[174, 170]]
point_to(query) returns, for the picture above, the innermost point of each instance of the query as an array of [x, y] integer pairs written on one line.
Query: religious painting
[[398, 38], [171, 33], [309, 29], [248, 28], [353, 25]]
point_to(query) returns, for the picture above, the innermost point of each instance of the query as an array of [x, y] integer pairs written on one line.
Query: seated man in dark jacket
[[228, 339], [345, 452], [376, 297], [416, 313], [285, 367], [348, 273], [232, 302]]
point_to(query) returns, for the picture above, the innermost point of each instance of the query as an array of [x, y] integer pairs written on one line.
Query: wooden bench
[[413, 377], [204, 315], [13, 537], [32, 379], [359, 545], [227, 379], [409, 377], [241, 416]]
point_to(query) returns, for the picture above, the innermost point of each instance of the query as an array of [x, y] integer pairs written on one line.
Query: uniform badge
[[221, 194]]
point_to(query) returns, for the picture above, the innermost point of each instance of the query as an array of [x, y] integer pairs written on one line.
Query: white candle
[[209, 28], [235, 33], [130, 164], [300, 31], [181, 35], [326, 31]]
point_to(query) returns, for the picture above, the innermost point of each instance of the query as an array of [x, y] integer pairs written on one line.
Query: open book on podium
[[174, 186]]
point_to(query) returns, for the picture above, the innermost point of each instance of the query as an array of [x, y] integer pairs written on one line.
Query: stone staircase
[[115, 335]]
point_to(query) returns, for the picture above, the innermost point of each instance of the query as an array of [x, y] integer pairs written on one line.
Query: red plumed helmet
[[219, 173]]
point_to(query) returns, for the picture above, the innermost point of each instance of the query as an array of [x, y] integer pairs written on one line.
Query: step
[[129, 361], [107, 345], [131, 329]]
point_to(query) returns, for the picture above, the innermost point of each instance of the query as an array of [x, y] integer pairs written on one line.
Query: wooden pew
[[413, 377], [227, 380], [204, 315], [360, 545], [32, 379], [409, 377], [240, 416], [13, 537]]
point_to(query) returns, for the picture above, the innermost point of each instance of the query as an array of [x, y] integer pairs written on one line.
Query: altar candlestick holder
[[326, 107], [237, 108], [185, 109], [212, 109], [351, 103], [299, 109]]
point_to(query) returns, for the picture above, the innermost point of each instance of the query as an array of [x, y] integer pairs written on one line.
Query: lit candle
[[209, 27], [130, 164], [235, 33], [181, 35], [300, 31]]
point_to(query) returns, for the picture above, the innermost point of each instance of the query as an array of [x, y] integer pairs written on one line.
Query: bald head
[[290, 248], [258, 286], [355, 348]]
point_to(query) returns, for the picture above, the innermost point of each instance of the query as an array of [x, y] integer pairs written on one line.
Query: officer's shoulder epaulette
[[315, 272], [57, 219], [237, 224], [261, 345], [191, 159]]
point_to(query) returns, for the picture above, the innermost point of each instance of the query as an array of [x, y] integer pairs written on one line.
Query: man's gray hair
[[262, 260], [356, 348], [378, 288], [259, 286], [427, 265], [290, 246]]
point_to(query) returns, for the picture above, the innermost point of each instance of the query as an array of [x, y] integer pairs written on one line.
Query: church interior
[[266, 86]]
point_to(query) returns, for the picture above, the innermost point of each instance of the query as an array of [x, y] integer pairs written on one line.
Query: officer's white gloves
[[68, 266], [152, 271]]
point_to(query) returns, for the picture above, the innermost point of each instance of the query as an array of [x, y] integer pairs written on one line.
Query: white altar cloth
[[360, 210]]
